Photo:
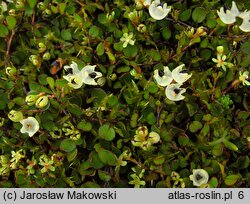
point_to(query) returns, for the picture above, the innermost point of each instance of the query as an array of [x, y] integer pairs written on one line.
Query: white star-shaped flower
[[158, 11], [245, 25], [77, 78], [90, 75], [228, 16], [163, 78], [30, 126], [75, 81], [174, 92], [243, 78], [127, 39], [179, 76], [72, 69], [199, 177]]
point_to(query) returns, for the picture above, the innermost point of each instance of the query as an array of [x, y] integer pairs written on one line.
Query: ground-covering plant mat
[[133, 93]]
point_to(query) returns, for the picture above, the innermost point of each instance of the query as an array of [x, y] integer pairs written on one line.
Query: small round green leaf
[[199, 14], [106, 132], [85, 126], [67, 145], [107, 157], [66, 35], [231, 180], [3, 31], [195, 126], [11, 22], [185, 15]]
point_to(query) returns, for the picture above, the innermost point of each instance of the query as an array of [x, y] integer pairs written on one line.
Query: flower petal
[[174, 92], [157, 11], [229, 17], [179, 77]]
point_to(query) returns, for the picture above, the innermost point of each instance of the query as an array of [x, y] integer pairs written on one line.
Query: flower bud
[[10, 71], [101, 81], [41, 6], [142, 28], [12, 12], [31, 99], [220, 49], [15, 116], [153, 137], [35, 62], [113, 77], [158, 103], [190, 32], [46, 56], [201, 31], [110, 16], [33, 57], [175, 175], [1, 121], [142, 131], [42, 101], [47, 12], [42, 47], [19, 4], [138, 5]]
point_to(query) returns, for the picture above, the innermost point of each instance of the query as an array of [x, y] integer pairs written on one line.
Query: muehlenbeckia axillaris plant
[[30, 126], [77, 78], [221, 59], [229, 17], [158, 10], [127, 38], [244, 78], [199, 177]]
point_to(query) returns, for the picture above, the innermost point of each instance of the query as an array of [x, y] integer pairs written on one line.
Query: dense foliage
[[121, 130]]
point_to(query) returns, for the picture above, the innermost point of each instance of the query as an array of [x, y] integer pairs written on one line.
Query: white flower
[[72, 69], [245, 26], [229, 16], [221, 61], [158, 11], [174, 92], [199, 177], [179, 76], [163, 78], [90, 75], [127, 39], [30, 126], [243, 78], [77, 78], [75, 81]]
